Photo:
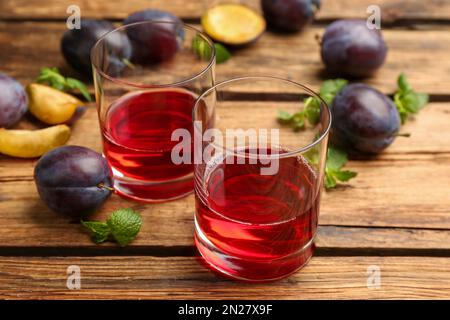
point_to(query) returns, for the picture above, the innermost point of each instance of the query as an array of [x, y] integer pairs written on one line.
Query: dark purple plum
[[13, 101], [289, 15], [76, 47], [154, 42], [350, 48], [73, 180], [365, 121], [151, 15]]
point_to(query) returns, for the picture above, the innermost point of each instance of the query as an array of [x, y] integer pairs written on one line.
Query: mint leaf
[[284, 116], [312, 110], [53, 77], [330, 88], [100, 230], [336, 160], [124, 225], [222, 53], [407, 100], [78, 85], [329, 181], [344, 176], [203, 50]]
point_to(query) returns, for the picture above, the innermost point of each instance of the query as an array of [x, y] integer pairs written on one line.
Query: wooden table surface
[[395, 215]]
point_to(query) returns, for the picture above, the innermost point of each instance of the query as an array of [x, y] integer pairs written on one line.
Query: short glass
[[147, 77], [259, 183]]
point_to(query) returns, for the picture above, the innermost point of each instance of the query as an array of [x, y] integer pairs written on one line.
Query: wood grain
[[405, 194], [181, 278], [294, 56], [392, 11]]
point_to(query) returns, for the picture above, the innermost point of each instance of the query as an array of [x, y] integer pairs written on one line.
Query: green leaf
[[53, 77], [100, 230], [344, 176], [402, 83], [312, 110], [222, 53], [284, 116], [329, 181], [124, 225], [201, 48], [336, 159], [76, 84], [330, 88], [407, 100]]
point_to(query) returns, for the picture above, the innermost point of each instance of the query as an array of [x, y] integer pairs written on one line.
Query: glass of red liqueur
[[259, 183], [147, 77]]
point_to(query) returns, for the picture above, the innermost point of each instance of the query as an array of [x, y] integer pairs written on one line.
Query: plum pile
[[13, 101], [289, 15], [350, 48], [73, 180], [364, 120]]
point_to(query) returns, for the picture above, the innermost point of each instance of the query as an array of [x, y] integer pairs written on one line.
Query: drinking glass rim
[[270, 156], [150, 86]]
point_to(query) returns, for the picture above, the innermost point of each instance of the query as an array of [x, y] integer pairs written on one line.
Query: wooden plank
[[116, 9], [426, 143], [184, 278], [295, 56], [402, 194]]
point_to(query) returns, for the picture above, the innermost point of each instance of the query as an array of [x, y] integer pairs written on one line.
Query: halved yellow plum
[[233, 24]]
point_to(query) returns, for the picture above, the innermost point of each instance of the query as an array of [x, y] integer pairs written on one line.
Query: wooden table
[[395, 215]]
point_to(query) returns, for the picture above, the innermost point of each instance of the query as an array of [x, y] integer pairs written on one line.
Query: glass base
[[153, 191], [251, 270]]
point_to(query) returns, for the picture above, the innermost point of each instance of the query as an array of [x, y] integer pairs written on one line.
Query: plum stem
[[128, 63], [102, 186], [405, 135]]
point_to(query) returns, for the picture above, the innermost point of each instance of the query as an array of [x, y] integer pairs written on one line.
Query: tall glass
[[147, 77], [259, 183]]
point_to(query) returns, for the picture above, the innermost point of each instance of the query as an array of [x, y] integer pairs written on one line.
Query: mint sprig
[[407, 100], [122, 226], [311, 111], [203, 50], [55, 79], [336, 160]]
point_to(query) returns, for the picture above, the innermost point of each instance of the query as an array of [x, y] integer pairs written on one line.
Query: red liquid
[[258, 227], [137, 142]]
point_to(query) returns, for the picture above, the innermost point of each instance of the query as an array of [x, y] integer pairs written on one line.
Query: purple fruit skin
[[289, 15], [154, 43], [67, 179], [76, 46], [151, 14], [13, 101], [350, 48], [365, 121]]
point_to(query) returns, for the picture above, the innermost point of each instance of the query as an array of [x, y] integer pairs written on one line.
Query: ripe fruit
[[50, 105], [32, 143], [289, 15], [152, 15], [350, 48], [364, 119], [13, 101], [73, 180], [233, 24], [76, 46], [153, 42]]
